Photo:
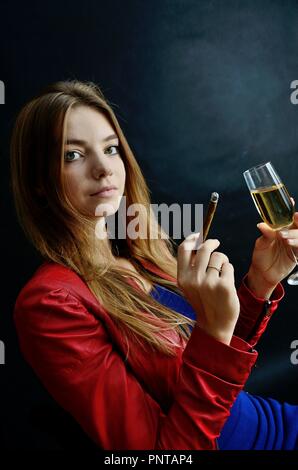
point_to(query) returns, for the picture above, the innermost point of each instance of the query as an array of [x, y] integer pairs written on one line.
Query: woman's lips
[[106, 193]]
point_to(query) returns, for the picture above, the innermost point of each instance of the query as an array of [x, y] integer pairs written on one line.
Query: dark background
[[202, 91]]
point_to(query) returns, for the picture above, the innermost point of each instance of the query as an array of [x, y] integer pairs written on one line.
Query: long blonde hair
[[62, 235]]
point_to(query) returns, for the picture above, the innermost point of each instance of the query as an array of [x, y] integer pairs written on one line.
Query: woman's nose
[[100, 166]]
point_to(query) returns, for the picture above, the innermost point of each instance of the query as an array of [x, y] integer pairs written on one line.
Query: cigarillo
[[210, 214]]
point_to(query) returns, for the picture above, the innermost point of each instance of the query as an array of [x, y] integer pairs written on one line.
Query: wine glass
[[272, 201]]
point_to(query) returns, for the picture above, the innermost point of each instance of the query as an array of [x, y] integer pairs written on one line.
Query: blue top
[[255, 423]]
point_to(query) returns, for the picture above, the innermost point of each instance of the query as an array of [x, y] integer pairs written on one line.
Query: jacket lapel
[[153, 268]]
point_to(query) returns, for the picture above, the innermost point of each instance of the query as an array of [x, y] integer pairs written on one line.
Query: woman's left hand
[[272, 258]]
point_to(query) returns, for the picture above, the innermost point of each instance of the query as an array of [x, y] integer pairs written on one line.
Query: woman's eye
[[116, 149], [68, 155]]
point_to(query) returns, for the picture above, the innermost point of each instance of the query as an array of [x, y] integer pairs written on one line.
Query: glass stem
[[294, 256], [292, 280]]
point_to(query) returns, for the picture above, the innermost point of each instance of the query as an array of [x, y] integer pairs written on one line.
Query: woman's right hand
[[211, 293]]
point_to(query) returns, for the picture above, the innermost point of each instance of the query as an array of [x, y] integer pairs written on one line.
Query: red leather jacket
[[148, 401]]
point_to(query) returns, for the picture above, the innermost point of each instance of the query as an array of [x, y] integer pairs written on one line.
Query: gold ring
[[213, 267]]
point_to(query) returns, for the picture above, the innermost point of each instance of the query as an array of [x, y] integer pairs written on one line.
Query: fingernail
[[292, 242], [197, 244], [193, 235], [284, 233]]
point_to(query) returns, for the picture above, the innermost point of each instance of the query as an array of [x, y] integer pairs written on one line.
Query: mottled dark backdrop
[[202, 90]]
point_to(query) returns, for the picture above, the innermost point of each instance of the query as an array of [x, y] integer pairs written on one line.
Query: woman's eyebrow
[[83, 142]]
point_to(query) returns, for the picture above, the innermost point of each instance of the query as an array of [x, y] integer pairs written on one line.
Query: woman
[[147, 350]]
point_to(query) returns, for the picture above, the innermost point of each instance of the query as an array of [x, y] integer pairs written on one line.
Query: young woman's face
[[91, 162]]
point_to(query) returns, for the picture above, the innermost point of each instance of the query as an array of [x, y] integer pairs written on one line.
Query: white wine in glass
[[272, 201]]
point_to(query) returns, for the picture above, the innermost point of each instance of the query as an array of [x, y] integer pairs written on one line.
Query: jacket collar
[[147, 265], [153, 268]]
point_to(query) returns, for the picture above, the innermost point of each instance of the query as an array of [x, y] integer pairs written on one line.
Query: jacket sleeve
[[73, 355], [255, 312]]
